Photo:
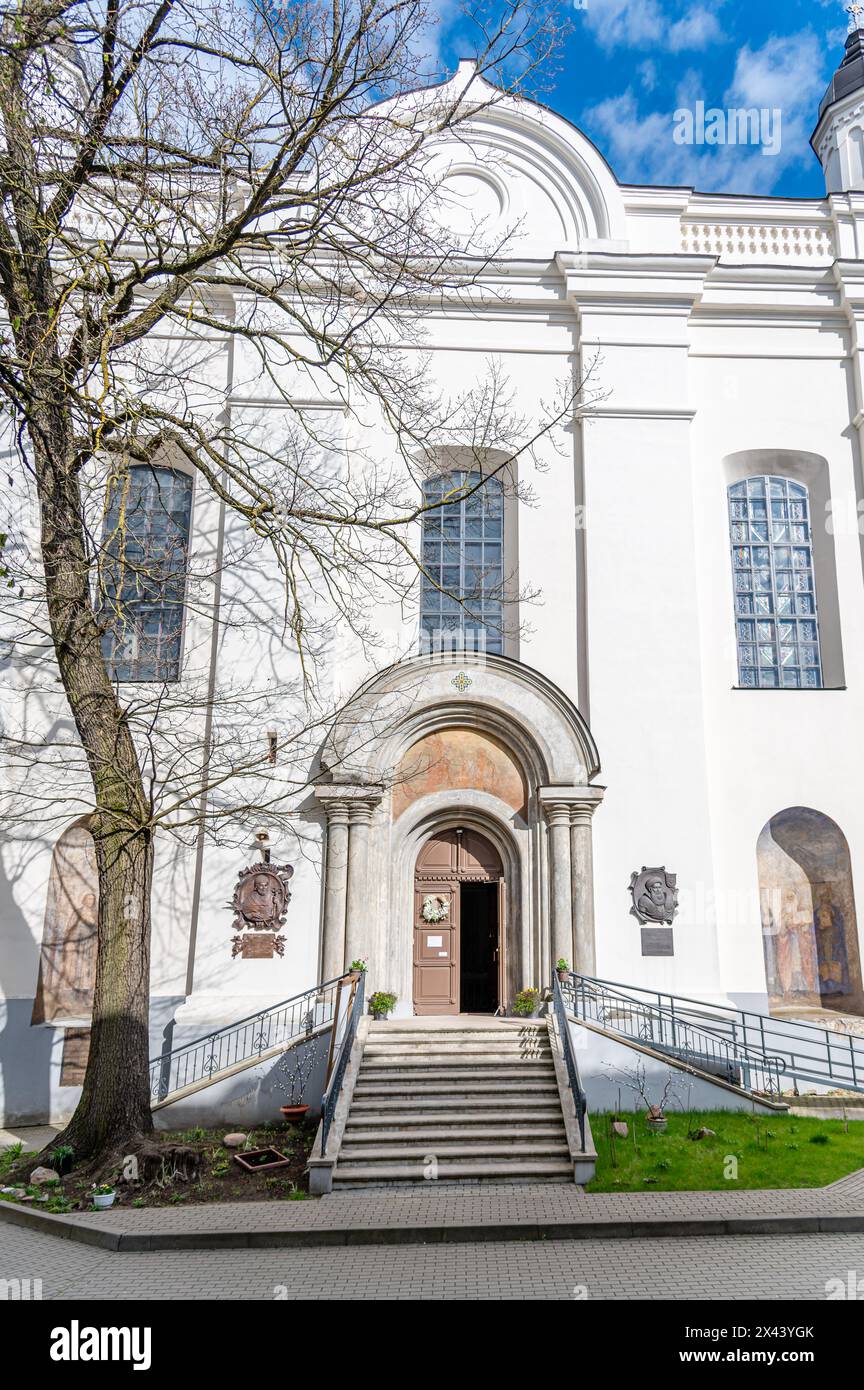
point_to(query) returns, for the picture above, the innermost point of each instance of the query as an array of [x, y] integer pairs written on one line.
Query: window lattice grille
[[776, 623], [463, 560]]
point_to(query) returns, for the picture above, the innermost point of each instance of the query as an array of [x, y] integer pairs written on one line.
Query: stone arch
[[809, 922], [505, 698], [67, 965], [511, 714]]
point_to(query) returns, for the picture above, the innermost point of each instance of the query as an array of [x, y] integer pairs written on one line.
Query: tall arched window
[[463, 560], [776, 622], [144, 573]]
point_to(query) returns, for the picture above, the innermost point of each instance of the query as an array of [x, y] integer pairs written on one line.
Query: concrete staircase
[[454, 1099]]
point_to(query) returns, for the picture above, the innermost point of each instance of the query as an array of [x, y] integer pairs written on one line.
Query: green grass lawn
[[764, 1151]]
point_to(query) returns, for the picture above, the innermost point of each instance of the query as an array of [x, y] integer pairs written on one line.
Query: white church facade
[[682, 701]]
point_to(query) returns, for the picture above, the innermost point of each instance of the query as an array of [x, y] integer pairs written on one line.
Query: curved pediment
[[519, 174], [510, 702]]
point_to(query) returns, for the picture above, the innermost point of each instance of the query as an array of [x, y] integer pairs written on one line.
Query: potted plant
[[381, 1003], [527, 1003], [656, 1120], [61, 1159], [293, 1075], [655, 1110], [103, 1195], [562, 968], [357, 968]]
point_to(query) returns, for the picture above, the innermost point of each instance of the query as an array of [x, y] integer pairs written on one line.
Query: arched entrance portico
[[484, 745]]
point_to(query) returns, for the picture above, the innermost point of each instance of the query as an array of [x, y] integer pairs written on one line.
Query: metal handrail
[[666, 1031], [205, 1059], [339, 1058], [580, 1100], [809, 1051]]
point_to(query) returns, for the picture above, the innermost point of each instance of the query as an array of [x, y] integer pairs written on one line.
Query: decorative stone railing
[[804, 244]]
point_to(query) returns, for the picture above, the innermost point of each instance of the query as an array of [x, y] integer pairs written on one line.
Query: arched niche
[[809, 923], [67, 966]]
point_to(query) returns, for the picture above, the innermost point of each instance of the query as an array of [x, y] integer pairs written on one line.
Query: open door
[[458, 925]]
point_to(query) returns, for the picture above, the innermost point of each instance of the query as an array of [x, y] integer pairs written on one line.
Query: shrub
[[381, 1002], [526, 1002]]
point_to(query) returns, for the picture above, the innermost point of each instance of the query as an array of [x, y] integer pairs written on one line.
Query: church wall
[[768, 750]]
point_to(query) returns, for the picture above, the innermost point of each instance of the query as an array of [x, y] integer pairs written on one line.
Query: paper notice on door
[[432, 941], [442, 953]]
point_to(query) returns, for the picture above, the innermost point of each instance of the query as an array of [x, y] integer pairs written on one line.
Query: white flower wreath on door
[[435, 909]]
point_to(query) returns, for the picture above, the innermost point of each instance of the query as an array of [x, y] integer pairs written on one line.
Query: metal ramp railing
[[226, 1051], [760, 1048]]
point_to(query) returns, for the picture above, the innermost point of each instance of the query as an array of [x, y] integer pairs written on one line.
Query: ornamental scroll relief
[[260, 905]]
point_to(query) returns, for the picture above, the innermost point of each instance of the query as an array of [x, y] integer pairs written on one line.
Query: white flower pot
[[103, 1200]]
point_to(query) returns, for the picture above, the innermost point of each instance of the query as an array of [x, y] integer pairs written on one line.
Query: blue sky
[[629, 64]]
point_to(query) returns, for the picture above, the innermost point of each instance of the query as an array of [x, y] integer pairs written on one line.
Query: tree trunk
[[115, 1101]]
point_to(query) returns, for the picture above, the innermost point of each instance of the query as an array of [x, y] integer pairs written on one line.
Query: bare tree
[[197, 200]]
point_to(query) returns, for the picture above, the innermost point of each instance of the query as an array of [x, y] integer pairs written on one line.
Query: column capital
[[576, 805], [556, 812], [347, 803], [360, 810]]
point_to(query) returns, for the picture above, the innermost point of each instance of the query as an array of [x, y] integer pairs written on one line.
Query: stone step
[[456, 1023], [361, 1135], [447, 1102], [385, 1117], [514, 1153], [466, 1170], [422, 1086], [458, 1072], [476, 1051]]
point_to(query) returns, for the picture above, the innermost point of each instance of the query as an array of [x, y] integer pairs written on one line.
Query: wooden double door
[[458, 925]]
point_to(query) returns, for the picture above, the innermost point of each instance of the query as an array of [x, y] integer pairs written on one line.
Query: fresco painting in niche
[[454, 759], [809, 925], [67, 964]]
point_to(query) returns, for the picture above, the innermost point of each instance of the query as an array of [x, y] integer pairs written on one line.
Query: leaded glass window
[[776, 622], [144, 573], [463, 561]]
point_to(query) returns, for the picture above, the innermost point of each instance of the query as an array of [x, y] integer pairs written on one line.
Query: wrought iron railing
[[580, 1100], [273, 1029], [344, 1033], [667, 1030], [807, 1051]]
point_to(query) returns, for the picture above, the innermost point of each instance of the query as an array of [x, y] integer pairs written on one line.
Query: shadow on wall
[[809, 924], [25, 1052], [254, 1096]]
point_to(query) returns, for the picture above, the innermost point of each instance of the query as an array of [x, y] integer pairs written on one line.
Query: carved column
[[582, 808], [561, 915], [360, 915], [335, 883]]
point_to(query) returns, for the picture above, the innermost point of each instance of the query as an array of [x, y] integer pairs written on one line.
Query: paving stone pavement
[[486, 1204], [704, 1268]]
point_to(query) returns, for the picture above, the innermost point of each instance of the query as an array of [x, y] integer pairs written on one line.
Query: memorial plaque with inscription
[[260, 946], [657, 941]]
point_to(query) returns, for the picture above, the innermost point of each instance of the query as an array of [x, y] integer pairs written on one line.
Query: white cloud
[[621, 23], [648, 74], [788, 74], [696, 30]]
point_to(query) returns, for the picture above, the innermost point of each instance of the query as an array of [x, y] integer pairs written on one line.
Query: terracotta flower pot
[[293, 1113]]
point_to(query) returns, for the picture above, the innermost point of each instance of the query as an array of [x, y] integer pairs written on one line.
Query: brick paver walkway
[[483, 1205], [705, 1268]]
